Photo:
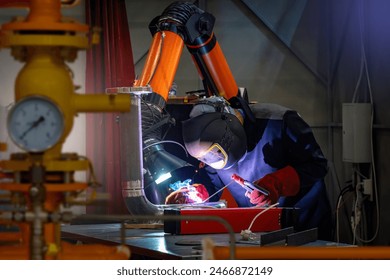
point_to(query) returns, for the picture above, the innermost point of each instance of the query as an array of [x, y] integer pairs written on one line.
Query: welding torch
[[249, 186]]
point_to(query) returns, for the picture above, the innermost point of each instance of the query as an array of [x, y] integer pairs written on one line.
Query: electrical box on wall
[[357, 131]]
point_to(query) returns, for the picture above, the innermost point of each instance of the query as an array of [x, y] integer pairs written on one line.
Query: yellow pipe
[[46, 74], [15, 40], [101, 102]]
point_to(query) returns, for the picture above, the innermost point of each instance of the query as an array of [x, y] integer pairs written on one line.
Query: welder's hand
[[195, 193], [259, 199], [283, 182]]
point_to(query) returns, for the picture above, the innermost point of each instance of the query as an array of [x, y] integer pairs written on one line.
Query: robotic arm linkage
[[184, 23]]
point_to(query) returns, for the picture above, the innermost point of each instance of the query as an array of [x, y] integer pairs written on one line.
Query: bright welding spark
[[192, 194]]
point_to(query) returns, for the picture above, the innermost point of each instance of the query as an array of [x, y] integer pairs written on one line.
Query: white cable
[[339, 204], [354, 217], [363, 228], [373, 168], [364, 66], [247, 234], [360, 78], [337, 219], [361, 174], [265, 210], [362, 55]]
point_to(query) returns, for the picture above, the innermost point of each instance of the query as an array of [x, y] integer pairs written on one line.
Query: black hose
[[151, 117], [180, 12]]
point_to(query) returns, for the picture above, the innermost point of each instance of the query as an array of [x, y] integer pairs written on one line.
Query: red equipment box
[[238, 218]]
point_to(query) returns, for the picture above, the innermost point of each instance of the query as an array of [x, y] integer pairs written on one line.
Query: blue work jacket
[[278, 138]]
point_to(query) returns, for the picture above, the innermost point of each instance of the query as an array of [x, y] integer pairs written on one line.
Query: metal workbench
[[144, 243], [154, 243]]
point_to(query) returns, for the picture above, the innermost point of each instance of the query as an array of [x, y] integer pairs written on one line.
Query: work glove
[[195, 193], [283, 182]]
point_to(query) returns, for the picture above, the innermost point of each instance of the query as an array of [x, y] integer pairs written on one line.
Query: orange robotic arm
[[184, 23]]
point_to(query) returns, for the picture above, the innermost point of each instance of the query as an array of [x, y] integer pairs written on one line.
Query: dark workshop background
[[309, 55]]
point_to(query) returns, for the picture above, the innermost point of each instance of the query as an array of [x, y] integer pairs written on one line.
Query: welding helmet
[[213, 134]]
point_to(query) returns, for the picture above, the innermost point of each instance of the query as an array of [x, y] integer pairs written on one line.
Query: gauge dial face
[[35, 124]]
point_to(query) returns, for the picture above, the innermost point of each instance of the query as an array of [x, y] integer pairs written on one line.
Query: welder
[[275, 149]]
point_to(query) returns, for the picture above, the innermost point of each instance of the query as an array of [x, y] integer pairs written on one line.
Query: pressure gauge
[[35, 124]]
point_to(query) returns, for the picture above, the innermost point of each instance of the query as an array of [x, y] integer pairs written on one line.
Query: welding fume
[[261, 153]]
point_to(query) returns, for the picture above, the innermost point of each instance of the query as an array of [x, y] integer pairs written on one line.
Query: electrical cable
[[265, 210], [247, 234], [150, 118], [359, 80], [149, 107], [363, 227], [355, 220], [346, 189], [358, 205], [373, 167], [337, 219], [361, 174]]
